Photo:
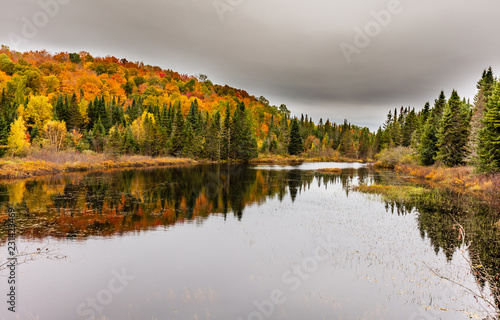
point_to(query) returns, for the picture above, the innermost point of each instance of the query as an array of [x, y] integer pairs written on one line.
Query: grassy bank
[[459, 179], [463, 179], [44, 163]]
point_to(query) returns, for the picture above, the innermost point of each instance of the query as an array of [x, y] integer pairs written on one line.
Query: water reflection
[[441, 214], [108, 203], [263, 222]]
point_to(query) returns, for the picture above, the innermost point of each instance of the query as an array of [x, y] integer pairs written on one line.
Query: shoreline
[[13, 169], [47, 163]]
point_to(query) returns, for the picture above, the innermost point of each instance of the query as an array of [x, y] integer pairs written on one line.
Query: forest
[[86, 104]]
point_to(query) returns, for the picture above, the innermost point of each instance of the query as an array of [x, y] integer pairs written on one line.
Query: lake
[[237, 242]]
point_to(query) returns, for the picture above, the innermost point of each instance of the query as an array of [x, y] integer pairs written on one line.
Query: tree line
[[75, 101], [91, 104], [453, 132]]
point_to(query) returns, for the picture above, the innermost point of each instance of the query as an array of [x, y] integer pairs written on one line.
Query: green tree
[[489, 138], [4, 135], [428, 148], [114, 145], [213, 140], [75, 118], [485, 89], [453, 132], [296, 145], [178, 136], [226, 134], [243, 143]]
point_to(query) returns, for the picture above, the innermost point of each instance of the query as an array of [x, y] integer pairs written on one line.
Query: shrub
[[389, 158]]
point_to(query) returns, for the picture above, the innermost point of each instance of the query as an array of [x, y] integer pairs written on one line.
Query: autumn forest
[[86, 104]]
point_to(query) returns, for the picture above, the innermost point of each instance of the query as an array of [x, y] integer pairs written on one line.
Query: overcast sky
[[333, 59]]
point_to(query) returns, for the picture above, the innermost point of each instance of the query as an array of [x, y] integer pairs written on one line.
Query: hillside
[[79, 102]]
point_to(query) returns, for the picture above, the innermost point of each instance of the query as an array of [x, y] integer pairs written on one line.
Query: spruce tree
[[489, 138], [212, 146], [428, 149], [178, 137], [4, 135], [477, 118], [296, 145], [226, 134], [453, 132], [75, 118], [243, 143]]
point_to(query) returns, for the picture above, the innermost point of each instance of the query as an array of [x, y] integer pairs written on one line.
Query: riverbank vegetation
[[453, 145]]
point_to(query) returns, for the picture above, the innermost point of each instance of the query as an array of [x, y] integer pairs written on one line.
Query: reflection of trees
[[116, 202], [439, 215]]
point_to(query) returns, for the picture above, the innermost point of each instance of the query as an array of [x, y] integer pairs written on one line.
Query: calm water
[[213, 242]]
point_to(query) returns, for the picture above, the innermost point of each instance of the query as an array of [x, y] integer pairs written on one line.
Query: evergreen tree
[[178, 136], [4, 135], [75, 118], [60, 111], [428, 148], [453, 132], [129, 145], [213, 140], [296, 145], [484, 87], [189, 149], [410, 126], [114, 143], [243, 144], [97, 136], [489, 144], [226, 134]]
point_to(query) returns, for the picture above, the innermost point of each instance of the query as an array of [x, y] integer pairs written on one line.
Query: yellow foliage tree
[[55, 133], [38, 111], [18, 141]]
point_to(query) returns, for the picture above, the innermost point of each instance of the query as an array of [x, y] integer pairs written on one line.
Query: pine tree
[[178, 136], [75, 119], [4, 135], [114, 143], [296, 145], [489, 144], [484, 87], [189, 150], [226, 134], [60, 111], [212, 146], [243, 144], [453, 132], [428, 149], [129, 145]]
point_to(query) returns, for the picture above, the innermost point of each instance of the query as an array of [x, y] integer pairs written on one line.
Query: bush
[[389, 158]]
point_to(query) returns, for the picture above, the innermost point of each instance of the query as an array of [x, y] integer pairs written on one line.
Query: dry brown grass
[[458, 179], [44, 162]]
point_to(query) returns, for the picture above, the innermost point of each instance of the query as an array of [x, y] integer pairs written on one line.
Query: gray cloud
[[288, 51]]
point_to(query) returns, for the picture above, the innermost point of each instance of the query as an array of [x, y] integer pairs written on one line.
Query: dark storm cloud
[[289, 51]]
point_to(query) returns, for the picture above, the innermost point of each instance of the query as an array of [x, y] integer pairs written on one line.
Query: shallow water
[[213, 242]]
